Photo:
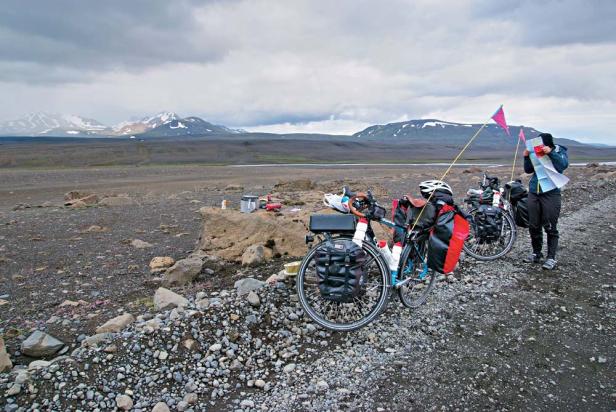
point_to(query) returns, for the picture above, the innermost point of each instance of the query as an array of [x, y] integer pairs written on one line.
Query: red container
[[273, 207]]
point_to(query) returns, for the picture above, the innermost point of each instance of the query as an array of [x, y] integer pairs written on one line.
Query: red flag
[[521, 135], [499, 118]]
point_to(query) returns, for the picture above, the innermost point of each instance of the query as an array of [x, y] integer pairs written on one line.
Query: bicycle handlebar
[[363, 197]]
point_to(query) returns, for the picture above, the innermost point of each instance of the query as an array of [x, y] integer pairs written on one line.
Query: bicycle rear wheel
[[340, 316], [414, 266], [487, 251]]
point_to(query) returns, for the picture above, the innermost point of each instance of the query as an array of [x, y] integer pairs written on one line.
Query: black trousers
[[543, 213]]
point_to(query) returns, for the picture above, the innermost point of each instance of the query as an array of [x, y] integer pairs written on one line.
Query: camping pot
[[248, 203]]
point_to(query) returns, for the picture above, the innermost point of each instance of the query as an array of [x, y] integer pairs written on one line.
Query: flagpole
[[449, 168], [515, 157]]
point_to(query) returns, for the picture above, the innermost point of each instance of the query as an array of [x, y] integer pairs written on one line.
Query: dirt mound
[[229, 233], [294, 185]]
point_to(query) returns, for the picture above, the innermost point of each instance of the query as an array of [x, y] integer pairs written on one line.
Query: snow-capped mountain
[[438, 131], [145, 124], [189, 126], [163, 124], [36, 124]]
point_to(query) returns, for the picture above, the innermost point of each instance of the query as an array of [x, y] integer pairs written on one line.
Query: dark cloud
[[555, 22], [103, 35]]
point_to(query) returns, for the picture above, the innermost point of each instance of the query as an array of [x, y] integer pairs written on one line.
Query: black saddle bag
[[340, 270]]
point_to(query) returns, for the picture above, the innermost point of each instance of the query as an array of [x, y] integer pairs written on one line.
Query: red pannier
[[446, 239]]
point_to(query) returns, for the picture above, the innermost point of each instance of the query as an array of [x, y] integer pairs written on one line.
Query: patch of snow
[[72, 132], [442, 124], [179, 126]]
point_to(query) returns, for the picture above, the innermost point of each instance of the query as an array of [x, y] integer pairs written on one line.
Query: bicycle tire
[[486, 258], [409, 252], [375, 311]]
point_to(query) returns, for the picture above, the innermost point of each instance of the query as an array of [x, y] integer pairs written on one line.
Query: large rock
[[76, 199], [183, 271], [94, 340], [254, 255], [124, 402], [41, 344], [160, 407], [116, 324], [122, 200], [247, 285], [73, 195], [140, 244], [160, 263], [166, 299], [5, 361], [253, 299], [227, 234]]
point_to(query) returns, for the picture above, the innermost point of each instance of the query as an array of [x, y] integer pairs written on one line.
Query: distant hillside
[[438, 132], [189, 126], [47, 124]]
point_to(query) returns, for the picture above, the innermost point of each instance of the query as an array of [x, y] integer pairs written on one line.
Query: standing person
[[544, 207]]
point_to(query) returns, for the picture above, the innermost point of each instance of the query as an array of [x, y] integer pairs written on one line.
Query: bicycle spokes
[[341, 313]]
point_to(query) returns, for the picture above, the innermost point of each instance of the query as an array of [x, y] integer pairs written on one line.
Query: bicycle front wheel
[[339, 316], [486, 251], [420, 279]]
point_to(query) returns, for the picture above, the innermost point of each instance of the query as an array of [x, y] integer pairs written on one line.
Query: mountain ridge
[[167, 124], [162, 124]]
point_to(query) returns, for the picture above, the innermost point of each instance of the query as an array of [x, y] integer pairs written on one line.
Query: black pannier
[[340, 270], [515, 191], [521, 212], [488, 223], [406, 214], [518, 196]]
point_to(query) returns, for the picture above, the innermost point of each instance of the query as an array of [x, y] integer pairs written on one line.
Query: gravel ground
[[497, 336]]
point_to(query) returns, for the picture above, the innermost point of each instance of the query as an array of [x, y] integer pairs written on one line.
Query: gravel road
[[495, 336]]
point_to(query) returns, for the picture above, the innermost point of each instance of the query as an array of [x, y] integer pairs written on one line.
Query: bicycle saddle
[[347, 192], [415, 202]]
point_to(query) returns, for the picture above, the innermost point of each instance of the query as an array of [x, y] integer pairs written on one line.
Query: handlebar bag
[[340, 270], [447, 239], [488, 223]]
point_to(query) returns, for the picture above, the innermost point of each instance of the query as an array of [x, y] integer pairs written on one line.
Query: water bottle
[[360, 232], [386, 253], [396, 252], [496, 198]]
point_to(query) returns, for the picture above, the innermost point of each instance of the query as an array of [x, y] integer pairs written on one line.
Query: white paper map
[[548, 177]]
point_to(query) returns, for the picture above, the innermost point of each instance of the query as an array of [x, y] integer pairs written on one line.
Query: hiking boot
[[533, 258], [549, 264]]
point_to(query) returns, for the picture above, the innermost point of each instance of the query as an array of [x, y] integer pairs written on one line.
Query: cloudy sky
[[317, 66]]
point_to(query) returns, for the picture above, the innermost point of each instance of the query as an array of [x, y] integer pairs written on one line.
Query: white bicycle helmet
[[428, 187], [337, 202]]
